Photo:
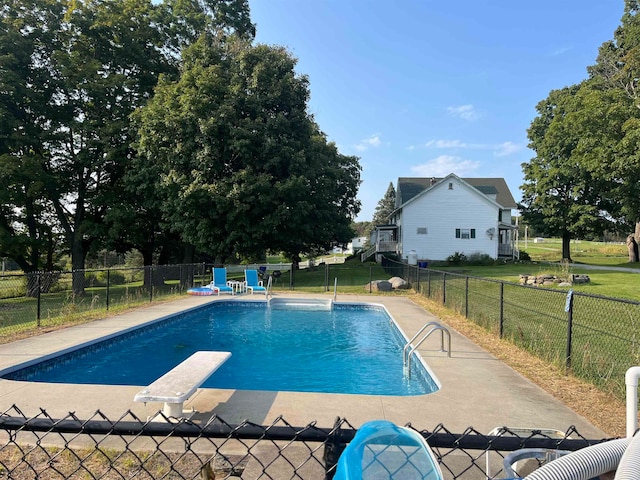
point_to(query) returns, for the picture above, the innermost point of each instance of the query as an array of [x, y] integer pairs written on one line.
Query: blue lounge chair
[[220, 281], [252, 283]]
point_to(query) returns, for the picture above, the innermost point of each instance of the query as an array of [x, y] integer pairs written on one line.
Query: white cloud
[[444, 165], [561, 50], [372, 141], [499, 150], [466, 112], [506, 148], [446, 144]]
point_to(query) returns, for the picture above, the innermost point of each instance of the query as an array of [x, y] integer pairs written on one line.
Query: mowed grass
[[621, 281], [20, 315], [582, 251], [604, 332]]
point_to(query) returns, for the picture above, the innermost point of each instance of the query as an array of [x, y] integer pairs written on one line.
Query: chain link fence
[[594, 337], [40, 447], [44, 299]]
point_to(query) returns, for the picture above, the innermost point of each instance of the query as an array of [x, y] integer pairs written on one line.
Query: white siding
[[441, 211]]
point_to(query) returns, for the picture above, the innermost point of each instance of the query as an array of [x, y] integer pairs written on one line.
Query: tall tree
[[561, 196], [617, 75], [28, 231], [243, 167], [386, 206], [141, 224], [79, 70], [84, 69]]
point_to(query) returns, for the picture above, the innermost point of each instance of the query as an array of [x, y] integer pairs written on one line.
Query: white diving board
[[178, 384]]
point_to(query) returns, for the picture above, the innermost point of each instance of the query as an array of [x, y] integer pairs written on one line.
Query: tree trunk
[[636, 237], [188, 253], [566, 247], [77, 266], [189, 270], [147, 261], [632, 247], [32, 284]]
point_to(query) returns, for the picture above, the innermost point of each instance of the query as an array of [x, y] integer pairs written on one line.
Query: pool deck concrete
[[477, 391]]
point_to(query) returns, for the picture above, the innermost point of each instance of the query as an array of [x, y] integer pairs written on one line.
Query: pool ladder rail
[[409, 348], [269, 290]]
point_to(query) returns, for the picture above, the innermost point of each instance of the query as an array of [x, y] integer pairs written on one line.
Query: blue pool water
[[350, 349]]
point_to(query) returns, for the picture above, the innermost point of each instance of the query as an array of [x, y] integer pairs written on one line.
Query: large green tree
[[561, 194], [81, 70], [617, 77], [72, 74], [141, 224], [586, 174], [28, 233], [243, 168]]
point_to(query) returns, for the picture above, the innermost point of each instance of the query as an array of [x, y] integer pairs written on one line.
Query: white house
[[358, 243], [437, 217]]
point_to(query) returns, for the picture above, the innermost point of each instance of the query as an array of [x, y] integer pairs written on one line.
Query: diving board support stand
[[177, 385]]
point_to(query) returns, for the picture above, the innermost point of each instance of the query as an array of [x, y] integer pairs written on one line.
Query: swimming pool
[[353, 348]]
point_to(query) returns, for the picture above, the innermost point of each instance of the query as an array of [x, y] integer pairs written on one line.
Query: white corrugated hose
[[629, 466], [586, 463]]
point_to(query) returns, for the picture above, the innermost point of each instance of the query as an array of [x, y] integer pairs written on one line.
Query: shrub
[[457, 258], [115, 277], [524, 256], [478, 258]]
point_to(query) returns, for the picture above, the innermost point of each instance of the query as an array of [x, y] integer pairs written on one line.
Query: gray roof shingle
[[409, 187]]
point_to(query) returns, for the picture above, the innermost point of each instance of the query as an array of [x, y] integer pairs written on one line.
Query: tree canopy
[[233, 138], [386, 206], [585, 176], [243, 166]]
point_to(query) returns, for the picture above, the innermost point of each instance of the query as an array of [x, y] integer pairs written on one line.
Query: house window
[[422, 230], [499, 215], [450, 186], [465, 233]]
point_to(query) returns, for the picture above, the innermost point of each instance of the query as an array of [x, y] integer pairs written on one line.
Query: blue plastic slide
[[382, 450]]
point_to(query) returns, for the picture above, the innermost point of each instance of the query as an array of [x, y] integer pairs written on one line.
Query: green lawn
[[582, 251], [546, 259]]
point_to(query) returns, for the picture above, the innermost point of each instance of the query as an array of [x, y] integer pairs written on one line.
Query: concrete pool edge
[[477, 389]]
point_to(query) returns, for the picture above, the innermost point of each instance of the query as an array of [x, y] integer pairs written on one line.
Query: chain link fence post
[[326, 276], [466, 297], [108, 286], [444, 288], [38, 292], [333, 448], [150, 267], [569, 309], [501, 309]]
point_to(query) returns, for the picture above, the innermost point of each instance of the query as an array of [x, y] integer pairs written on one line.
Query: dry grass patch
[[602, 409]]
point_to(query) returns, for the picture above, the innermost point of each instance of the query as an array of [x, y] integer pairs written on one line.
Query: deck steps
[[301, 303]]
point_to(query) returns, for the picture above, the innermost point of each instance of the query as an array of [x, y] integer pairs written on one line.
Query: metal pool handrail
[[436, 326], [424, 327], [269, 287]]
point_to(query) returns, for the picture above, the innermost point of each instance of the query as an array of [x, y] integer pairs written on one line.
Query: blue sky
[[421, 88]]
